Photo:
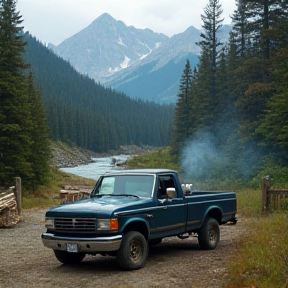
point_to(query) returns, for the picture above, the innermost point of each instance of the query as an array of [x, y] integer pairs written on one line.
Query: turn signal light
[[114, 224]]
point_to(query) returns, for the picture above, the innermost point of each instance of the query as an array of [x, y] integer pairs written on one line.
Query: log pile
[[9, 215], [71, 193]]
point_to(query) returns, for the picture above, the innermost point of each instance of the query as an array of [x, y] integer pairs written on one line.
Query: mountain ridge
[[127, 59]]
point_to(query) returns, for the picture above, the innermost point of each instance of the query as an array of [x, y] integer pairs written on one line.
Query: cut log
[[9, 215]]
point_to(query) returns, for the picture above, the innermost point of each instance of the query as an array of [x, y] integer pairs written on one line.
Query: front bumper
[[87, 245]]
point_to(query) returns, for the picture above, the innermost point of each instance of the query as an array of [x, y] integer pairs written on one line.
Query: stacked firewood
[[9, 215]]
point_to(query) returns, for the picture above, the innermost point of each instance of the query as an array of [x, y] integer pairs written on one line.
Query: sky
[[53, 21]]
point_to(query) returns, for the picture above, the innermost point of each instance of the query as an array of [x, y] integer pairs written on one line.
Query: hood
[[97, 206]]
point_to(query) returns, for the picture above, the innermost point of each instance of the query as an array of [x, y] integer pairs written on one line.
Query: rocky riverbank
[[67, 156]]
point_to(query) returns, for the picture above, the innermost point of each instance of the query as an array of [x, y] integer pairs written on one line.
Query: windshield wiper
[[127, 195], [100, 195]]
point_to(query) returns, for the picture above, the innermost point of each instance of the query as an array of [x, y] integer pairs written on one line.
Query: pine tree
[[210, 46], [24, 146], [211, 24], [203, 108], [181, 119], [39, 137], [14, 110], [239, 36], [263, 16]]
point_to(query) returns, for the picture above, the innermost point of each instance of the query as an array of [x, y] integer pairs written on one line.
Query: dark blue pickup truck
[[130, 210]]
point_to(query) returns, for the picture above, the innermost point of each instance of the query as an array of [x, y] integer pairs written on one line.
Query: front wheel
[[68, 257], [133, 251], [209, 234]]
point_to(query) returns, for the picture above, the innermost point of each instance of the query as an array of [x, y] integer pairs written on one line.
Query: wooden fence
[[273, 199], [10, 205]]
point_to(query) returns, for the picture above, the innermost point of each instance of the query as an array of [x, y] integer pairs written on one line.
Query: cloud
[[54, 21]]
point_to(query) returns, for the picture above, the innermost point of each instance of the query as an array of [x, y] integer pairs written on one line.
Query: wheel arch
[[137, 225], [214, 212]]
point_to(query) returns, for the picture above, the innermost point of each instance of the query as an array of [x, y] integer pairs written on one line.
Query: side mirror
[[171, 193]]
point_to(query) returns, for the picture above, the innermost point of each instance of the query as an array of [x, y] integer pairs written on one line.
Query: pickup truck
[[130, 210]]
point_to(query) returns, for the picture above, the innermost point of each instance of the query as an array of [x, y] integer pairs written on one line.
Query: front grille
[[75, 224]]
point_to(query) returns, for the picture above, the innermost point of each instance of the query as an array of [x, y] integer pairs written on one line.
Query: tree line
[[84, 113], [236, 99]]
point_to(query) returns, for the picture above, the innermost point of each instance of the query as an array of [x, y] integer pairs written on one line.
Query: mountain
[[107, 46], [140, 63], [157, 76]]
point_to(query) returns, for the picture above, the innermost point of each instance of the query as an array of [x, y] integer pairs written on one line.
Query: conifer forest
[[230, 118]]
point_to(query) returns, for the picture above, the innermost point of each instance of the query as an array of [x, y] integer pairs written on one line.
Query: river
[[98, 167]]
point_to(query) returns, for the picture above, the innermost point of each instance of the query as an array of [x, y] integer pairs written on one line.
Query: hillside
[[64, 155], [88, 115]]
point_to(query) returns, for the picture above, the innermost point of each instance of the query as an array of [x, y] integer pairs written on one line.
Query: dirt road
[[25, 262]]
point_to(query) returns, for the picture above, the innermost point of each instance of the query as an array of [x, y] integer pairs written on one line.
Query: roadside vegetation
[[48, 195], [262, 255], [160, 158]]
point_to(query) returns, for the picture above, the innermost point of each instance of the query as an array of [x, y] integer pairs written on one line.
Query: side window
[[165, 181]]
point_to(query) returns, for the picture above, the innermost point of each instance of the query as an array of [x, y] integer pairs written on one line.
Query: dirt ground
[[25, 262]]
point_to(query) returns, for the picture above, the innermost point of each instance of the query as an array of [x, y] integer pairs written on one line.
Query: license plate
[[72, 247]]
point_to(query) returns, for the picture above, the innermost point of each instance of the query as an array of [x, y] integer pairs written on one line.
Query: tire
[[209, 234], [69, 258], [133, 251]]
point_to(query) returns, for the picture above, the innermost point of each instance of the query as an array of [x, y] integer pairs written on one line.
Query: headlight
[[49, 223], [107, 224]]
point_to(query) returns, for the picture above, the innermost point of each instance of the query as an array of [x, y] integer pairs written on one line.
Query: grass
[[49, 195], [160, 158], [262, 259], [249, 202], [262, 256]]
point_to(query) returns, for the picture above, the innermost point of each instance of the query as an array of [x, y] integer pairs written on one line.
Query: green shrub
[[160, 158]]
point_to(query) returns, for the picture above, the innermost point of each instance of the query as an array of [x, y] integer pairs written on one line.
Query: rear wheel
[[209, 234], [133, 251], [68, 257]]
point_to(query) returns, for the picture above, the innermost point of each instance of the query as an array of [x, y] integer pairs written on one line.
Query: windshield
[[122, 185]]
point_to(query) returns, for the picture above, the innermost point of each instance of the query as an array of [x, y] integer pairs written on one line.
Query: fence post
[[265, 185], [18, 193]]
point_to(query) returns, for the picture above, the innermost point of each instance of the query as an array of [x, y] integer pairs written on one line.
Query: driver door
[[169, 218]]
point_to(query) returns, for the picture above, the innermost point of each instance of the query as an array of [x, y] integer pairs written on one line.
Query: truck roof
[[141, 171]]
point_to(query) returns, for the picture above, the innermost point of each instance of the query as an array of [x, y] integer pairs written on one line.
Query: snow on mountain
[[138, 62], [107, 46]]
